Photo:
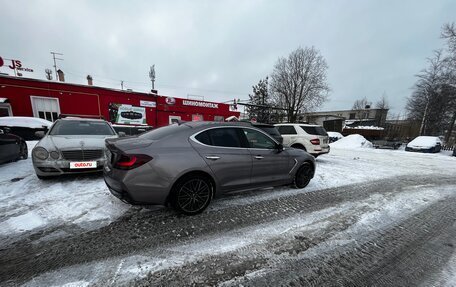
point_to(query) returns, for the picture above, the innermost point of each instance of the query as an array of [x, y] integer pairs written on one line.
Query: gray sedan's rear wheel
[[192, 194], [303, 175]]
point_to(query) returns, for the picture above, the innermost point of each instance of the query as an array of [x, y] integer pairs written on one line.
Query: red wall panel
[[95, 101]]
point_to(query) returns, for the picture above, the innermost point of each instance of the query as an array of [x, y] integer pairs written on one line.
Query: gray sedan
[[187, 164], [72, 145]]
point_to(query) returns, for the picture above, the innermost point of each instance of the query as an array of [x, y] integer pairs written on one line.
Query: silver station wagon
[[72, 145], [187, 164]]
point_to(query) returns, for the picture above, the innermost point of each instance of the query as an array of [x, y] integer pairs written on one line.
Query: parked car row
[[185, 164]]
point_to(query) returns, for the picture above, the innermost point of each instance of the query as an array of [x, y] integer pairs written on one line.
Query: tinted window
[[226, 137], [269, 130], [223, 137], [163, 132], [286, 130], [314, 130], [81, 128], [204, 138], [258, 140]]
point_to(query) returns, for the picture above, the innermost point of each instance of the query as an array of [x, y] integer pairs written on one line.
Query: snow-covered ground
[[29, 205]]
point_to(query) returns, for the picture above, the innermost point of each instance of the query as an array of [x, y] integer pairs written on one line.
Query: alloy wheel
[[303, 176], [194, 195]]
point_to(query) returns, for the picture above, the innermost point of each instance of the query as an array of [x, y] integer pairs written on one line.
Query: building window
[[45, 108], [174, 119], [5, 110], [352, 116]]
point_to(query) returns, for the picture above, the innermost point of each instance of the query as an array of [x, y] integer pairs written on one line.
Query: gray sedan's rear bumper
[[135, 187]]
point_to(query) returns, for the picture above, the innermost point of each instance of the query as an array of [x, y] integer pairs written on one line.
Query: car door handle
[[212, 157], [259, 157]]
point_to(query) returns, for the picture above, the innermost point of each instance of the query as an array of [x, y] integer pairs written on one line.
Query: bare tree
[[360, 105], [433, 98], [382, 103], [449, 34], [299, 82]]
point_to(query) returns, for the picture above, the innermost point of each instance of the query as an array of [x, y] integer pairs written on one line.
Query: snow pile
[[24, 122], [423, 142], [335, 135], [365, 128], [352, 141]]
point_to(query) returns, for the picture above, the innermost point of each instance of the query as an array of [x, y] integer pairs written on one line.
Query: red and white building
[[48, 99]]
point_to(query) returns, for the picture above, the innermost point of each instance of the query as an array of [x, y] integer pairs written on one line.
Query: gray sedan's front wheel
[[303, 175], [192, 194]]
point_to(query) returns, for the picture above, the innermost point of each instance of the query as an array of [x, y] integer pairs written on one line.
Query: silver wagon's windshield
[[81, 128]]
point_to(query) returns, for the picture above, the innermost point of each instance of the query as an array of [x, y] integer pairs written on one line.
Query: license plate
[[83, 164]]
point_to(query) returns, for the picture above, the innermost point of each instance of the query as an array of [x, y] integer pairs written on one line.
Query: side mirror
[[1, 132], [121, 134], [6, 130], [280, 147], [39, 134]]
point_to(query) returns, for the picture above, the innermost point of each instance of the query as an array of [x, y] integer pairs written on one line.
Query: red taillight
[[315, 141], [131, 161]]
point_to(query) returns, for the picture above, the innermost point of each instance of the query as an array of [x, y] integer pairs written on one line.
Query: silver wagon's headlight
[[40, 153]]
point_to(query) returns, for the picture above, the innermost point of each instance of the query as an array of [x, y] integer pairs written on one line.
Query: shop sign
[[170, 101], [148, 104], [200, 104], [15, 65], [128, 114]]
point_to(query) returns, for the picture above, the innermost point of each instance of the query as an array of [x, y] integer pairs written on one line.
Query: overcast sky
[[219, 49]]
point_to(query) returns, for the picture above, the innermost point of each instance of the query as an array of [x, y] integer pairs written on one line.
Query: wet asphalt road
[[404, 252]]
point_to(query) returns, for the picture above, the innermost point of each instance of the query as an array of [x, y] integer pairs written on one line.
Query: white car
[[427, 144], [311, 138]]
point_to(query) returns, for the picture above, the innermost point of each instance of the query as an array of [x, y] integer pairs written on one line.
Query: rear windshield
[[160, 133], [315, 130], [67, 128]]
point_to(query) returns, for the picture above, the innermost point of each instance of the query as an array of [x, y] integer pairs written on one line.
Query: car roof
[[81, 119], [297, 124], [262, 125], [198, 124]]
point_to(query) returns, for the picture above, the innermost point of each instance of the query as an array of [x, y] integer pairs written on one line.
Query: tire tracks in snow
[[140, 231]]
